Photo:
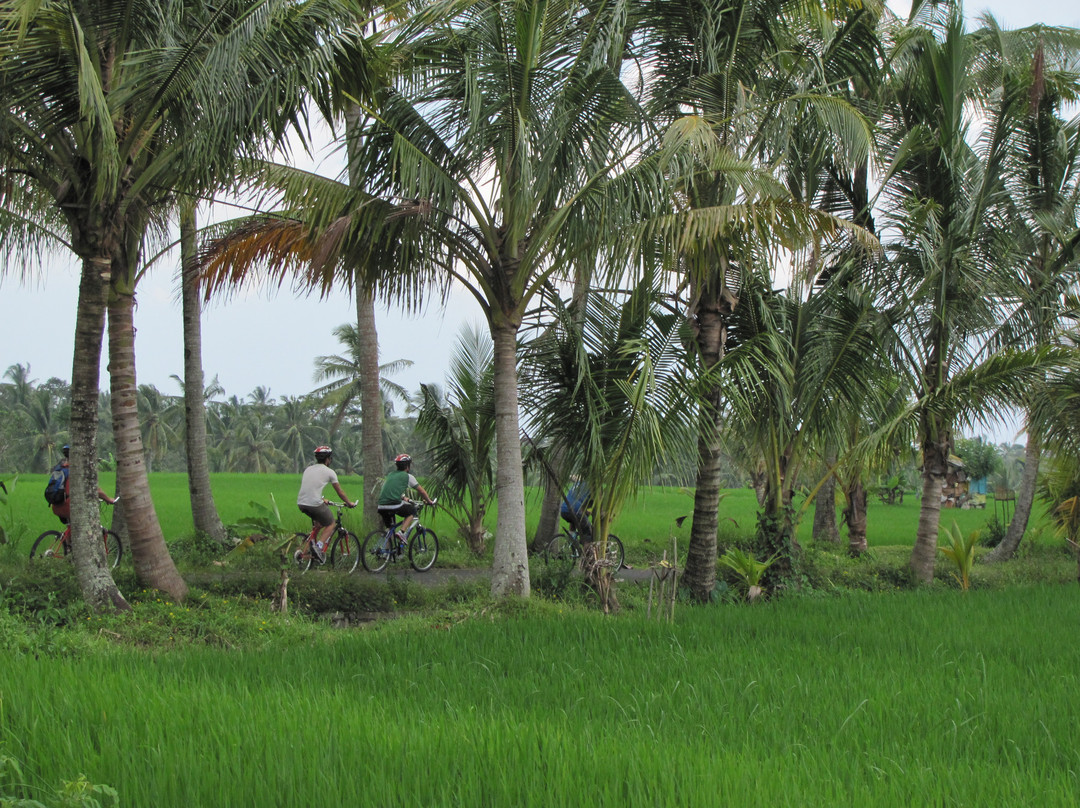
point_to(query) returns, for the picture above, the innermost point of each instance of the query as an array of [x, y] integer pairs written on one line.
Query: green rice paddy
[[892, 698], [901, 699]]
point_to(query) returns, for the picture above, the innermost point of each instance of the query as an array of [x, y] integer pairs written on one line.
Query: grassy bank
[[898, 699]]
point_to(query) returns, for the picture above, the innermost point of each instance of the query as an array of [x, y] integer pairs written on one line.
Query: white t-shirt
[[316, 478]]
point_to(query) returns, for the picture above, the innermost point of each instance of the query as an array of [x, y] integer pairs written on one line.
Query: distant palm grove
[[802, 246]]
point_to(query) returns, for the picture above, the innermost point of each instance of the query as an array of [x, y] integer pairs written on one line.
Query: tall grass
[[907, 699]]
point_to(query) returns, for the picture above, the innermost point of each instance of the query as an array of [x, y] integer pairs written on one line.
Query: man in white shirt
[[311, 502]]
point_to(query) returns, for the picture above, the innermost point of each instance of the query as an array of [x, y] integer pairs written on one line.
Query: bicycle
[[568, 545], [383, 546], [57, 544], [344, 551]]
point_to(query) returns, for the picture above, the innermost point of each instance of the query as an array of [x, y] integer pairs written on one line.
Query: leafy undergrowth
[[41, 611], [884, 569]]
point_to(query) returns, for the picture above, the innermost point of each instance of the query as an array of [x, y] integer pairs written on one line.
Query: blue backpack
[[56, 489]]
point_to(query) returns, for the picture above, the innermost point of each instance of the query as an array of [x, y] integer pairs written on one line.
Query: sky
[[270, 338]]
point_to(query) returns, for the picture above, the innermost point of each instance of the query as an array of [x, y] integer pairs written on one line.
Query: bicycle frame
[[382, 546], [59, 545], [342, 551], [317, 528]]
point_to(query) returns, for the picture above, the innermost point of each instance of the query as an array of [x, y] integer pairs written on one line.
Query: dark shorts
[[318, 513], [579, 524], [388, 512]]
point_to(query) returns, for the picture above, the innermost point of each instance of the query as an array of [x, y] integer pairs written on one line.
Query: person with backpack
[[58, 489], [392, 500], [575, 507]]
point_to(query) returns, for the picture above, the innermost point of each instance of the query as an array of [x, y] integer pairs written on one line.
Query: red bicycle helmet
[[402, 461], [323, 452]]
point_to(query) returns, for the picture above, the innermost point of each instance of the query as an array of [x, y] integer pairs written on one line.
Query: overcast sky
[[271, 339]]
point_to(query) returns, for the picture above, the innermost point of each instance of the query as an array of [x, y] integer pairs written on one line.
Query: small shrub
[[197, 548], [552, 578], [45, 592], [961, 551], [748, 570], [993, 534], [77, 793]]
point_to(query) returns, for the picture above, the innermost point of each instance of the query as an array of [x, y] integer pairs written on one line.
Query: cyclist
[[392, 501], [574, 507], [310, 500], [63, 509]]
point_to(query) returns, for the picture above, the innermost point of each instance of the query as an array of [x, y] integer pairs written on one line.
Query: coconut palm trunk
[[96, 584], [154, 566], [550, 508], [825, 529], [700, 575], [855, 516], [935, 467], [203, 510], [1025, 498], [510, 567], [367, 354], [371, 407]]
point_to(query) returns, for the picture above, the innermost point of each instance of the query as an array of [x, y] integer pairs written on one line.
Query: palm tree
[[46, 433], [607, 391], [731, 81], [157, 419], [1047, 205], [295, 433], [17, 391], [461, 436], [249, 446], [108, 105], [949, 276], [203, 509], [799, 367], [505, 127], [344, 376]]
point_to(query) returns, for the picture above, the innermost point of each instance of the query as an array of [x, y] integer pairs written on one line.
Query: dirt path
[[438, 576]]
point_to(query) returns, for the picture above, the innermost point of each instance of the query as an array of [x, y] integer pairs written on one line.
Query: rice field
[[646, 525], [912, 698]]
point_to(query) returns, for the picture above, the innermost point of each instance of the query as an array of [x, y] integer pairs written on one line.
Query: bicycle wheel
[[616, 553], [47, 545], [375, 553], [559, 549], [113, 548], [345, 552], [302, 554], [423, 549]]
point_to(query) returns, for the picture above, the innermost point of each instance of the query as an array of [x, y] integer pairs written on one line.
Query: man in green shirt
[[392, 500]]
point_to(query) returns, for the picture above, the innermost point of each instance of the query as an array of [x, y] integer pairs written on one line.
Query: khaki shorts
[[318, 513]]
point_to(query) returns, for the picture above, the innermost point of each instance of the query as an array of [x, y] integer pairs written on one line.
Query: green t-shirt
[[393, 490]]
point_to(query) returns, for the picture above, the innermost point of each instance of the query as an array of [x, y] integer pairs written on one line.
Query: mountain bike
[[382, 547], [568, 545], [344, 552], [57, 544]]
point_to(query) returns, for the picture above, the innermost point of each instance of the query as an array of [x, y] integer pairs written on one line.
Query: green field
[[834, 696], [900, 699], [646, 525]]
